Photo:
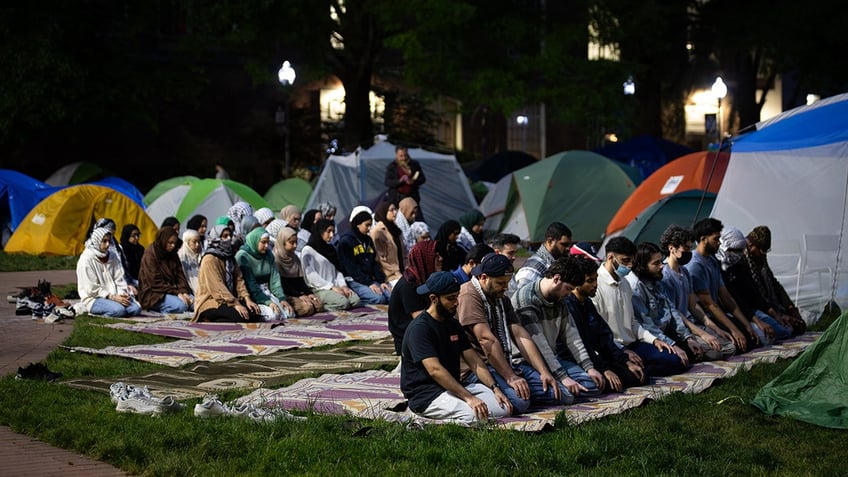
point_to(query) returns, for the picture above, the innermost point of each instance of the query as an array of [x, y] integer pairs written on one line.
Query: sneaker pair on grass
[[213, 407], [129, 398]]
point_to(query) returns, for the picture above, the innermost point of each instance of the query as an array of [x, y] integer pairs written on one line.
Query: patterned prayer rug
[[377, 395], [218, 342]]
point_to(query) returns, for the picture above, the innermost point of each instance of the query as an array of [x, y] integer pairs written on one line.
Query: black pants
[[228, 314]]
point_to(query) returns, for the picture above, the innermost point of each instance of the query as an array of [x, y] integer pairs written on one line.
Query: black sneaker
[[38, 372]]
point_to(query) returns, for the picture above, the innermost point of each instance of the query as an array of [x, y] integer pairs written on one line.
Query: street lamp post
[[286, 76], [719, 91]]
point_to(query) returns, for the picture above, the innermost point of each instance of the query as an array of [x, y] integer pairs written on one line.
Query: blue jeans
[[577, 373], [538, 397], [367, 295], [106, 307], [657, 363], [171, 304], [781, 332]]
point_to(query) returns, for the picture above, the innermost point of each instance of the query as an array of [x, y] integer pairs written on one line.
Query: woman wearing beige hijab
[[298, 293]]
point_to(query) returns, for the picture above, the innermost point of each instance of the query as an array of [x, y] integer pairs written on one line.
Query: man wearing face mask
[[677, 286], [614, 302], [709, 286], [737, 277]]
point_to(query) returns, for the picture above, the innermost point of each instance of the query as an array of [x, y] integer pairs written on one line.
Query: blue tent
[[20, 193], [645, 153], [124, 187]]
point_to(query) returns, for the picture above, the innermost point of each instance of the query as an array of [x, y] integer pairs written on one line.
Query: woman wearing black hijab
[[132, 250], [452, 254]]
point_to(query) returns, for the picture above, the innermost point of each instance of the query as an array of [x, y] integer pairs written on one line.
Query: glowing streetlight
[[286, 76], [629, 87], [719, 91]]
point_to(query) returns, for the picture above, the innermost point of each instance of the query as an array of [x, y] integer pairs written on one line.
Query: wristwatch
[[494, 386]]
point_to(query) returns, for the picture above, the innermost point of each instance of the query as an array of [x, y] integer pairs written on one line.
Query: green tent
[[293, 191], [579, 188], [680, 209], [208, 197], [814, 388], [167, 185]]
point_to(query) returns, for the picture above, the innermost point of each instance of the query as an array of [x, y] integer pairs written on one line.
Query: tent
[[347, 181], [123, 187], [19, 193], [645, 153], [683, 209], [814, 388], [579, 188], [495, 167], [58, 225], [166, 185], [697, 171], [76, 173], [791, 174], [292, 191], [211, 198]]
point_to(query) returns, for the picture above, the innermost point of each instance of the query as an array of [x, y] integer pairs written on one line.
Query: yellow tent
[[58, 224]]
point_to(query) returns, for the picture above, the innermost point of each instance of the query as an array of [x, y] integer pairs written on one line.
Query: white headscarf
[[93, 242]]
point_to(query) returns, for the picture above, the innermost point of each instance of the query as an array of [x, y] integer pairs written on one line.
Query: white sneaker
[[210, 407], [140, 405], [240, 410], [118, 391], [271, 415]]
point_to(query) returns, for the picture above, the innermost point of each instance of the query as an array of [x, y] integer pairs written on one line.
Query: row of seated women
[[252, 282]]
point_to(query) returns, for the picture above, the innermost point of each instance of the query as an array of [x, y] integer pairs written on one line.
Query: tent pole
[[707, 186]]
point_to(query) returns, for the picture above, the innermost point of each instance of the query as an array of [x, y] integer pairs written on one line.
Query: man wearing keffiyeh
[[495, 332]]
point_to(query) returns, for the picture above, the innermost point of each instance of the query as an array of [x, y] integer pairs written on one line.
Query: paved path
[[22, 341]]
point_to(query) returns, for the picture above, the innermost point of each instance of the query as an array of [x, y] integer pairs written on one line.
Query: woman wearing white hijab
[[190, 254], [100, 279]]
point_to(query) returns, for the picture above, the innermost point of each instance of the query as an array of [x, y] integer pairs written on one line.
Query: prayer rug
[[217, 342], [377, 395], [253, 372]]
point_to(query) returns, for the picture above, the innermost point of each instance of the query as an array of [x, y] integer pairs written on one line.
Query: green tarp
[[814, 388]]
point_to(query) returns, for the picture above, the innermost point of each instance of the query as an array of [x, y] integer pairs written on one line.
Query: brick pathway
[[22, 341]]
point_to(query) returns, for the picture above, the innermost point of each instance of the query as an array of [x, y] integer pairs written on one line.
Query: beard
[[443, 311]]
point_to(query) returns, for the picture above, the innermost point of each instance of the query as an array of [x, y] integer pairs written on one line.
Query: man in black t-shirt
[[431, 351]]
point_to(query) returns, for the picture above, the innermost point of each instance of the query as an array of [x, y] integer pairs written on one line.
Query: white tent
[[791, 174], [347, 181]]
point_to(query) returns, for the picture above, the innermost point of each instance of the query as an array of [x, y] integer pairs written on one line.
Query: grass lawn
[[713, 433]]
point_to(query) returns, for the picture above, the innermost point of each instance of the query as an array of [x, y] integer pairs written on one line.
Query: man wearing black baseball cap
[[497, 336], [430, 364]]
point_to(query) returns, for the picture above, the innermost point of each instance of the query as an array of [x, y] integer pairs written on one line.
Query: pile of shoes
[[213, 407], [139, 400], [41, 303], [38, 372]]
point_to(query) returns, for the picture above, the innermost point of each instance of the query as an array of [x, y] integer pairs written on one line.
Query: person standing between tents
[[100, 279], [403, 178], [162, 283], [708, 285], [359, 260]]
